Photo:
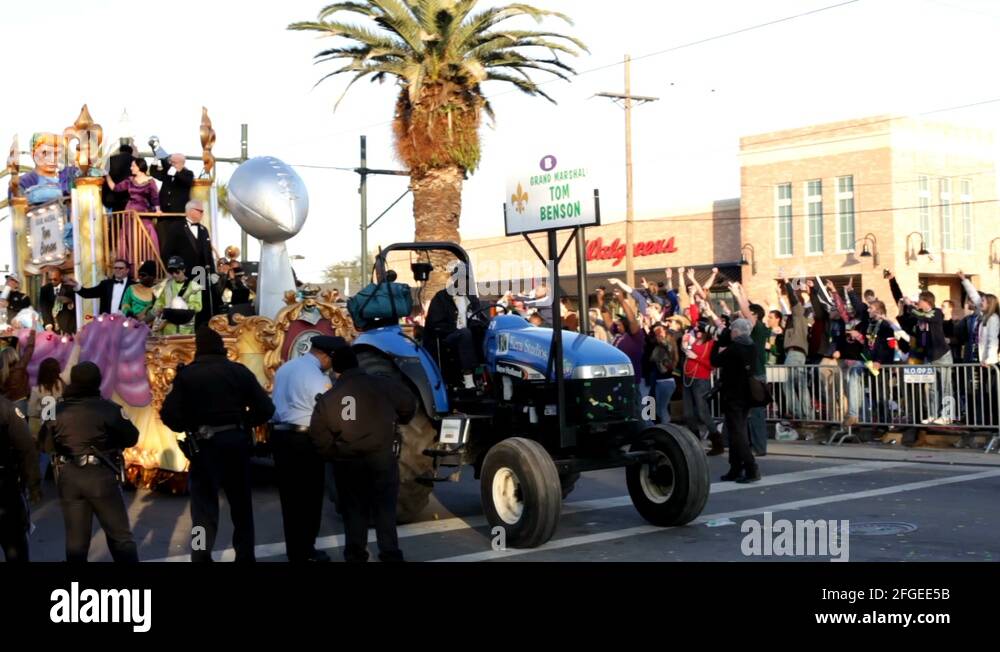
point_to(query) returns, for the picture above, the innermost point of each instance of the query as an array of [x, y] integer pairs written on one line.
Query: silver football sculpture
[[269, 200]]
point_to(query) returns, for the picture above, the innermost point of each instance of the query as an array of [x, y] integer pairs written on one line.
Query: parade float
[[58, 221]]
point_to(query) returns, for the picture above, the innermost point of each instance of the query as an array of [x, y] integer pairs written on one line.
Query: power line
[[740, 217], [958, 107], [709, 39], [946, 109], [324, 167], [615, 64]]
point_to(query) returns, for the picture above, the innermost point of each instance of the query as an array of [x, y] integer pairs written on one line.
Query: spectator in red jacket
[[697, 348]]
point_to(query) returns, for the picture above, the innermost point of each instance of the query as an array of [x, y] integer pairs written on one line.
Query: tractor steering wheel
[[483, 314]]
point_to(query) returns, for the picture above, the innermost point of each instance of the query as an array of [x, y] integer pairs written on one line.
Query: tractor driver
[[447, 324]]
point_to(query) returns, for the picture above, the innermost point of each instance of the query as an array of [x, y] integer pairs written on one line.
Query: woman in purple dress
[[144, 197]]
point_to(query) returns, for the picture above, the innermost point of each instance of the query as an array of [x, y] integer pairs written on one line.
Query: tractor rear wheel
[[521, 492], [673, 488], [415, 468]]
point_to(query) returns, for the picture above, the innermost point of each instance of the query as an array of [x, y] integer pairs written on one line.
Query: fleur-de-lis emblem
[[520, 199]]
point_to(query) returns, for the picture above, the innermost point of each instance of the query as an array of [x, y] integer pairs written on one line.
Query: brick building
[[814, 201]]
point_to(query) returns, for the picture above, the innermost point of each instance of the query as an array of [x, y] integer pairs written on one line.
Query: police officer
[[299, 468], [18, 471], [217, 403], [354, 425], [88, 435]]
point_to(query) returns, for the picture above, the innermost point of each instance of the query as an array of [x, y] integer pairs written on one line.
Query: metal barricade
[[809, 393], [961, 398]]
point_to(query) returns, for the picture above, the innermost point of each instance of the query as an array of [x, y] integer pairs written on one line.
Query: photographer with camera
[[759, 334], [734, 354]]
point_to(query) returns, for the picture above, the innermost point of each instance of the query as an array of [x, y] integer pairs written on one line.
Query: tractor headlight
[[589, 372]]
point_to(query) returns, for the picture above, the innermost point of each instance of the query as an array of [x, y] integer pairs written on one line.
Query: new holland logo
[[510, 370]]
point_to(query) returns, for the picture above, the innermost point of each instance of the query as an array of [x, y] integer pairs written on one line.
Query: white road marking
[[781, 507], [453, 524]]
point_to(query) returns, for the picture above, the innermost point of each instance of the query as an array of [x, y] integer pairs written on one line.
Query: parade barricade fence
[[957, 398]]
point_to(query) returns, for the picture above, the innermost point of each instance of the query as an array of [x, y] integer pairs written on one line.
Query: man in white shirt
[[299, 469], [447, 325], [109, 291]]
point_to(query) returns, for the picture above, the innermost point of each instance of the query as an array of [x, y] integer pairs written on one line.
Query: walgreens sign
[[597, 250]]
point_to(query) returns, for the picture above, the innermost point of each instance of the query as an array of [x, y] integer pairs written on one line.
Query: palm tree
[[222, 194], [440, 52]]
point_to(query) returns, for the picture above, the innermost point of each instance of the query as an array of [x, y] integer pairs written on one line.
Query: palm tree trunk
[[437, 209]]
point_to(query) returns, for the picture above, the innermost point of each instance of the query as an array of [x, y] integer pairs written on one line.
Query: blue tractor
[[528, 433]]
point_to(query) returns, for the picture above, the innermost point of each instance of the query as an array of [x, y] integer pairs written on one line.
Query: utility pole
[[243, 159], [364, 171], [628, 100]]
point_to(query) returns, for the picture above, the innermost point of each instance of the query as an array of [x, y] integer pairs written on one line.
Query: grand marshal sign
[[550, 194]]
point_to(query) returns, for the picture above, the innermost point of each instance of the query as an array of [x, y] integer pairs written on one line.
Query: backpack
[[380, 302], [759, 391]]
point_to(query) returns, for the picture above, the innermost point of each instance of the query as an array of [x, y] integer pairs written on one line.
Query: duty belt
[[289, 427], [207, 432], [78, 460]]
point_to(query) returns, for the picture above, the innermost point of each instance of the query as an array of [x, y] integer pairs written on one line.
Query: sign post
[[549, 197]]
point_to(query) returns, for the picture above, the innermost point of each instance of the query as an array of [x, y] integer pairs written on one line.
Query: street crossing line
[[443, 526], [569, 542]]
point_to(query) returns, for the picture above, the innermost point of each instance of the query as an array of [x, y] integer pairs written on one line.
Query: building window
[[966, 199], [784, 221], [926, 232], [814, 217], [845, 213], [946, 226]]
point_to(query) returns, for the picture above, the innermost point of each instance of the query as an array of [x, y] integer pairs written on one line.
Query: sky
[[161, 63]]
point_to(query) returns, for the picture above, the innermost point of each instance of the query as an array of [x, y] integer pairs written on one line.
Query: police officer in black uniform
[[18, 472], [354, 424], [88, 436], [217, 403]]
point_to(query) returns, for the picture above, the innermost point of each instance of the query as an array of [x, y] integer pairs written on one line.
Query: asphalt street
[[899, 510]]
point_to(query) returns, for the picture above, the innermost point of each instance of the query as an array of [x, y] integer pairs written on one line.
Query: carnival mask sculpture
[[270, 201]]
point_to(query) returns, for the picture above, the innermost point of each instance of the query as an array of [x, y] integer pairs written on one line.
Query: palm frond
[[440, 52]]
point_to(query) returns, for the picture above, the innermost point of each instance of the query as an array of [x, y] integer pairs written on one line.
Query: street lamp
[[994, 259], [869, 252], [923, 247], [752, 261]]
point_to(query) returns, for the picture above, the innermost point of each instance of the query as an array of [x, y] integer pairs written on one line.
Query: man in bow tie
[[111, 290], [189, 239]]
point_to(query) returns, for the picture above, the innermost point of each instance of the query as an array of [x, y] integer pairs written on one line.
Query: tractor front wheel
[[673, 487], [521, 492]]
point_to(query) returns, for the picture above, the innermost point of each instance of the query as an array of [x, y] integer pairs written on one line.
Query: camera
[[708, 327]]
